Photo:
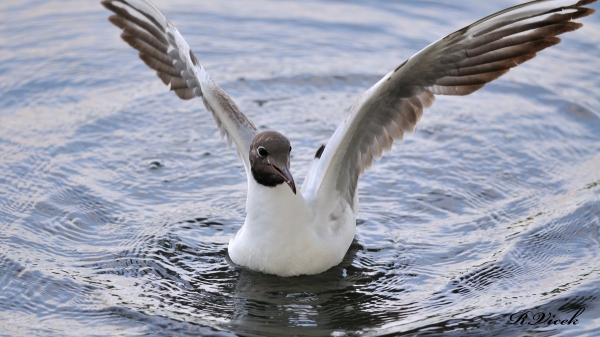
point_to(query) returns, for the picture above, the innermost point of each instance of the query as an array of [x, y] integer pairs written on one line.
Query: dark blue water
[[117, 199]]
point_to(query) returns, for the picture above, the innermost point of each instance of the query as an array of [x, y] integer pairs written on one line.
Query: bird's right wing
[[163, 49]]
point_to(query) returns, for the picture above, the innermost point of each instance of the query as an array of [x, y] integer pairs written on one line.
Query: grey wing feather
[[458, 64], [163, 49]]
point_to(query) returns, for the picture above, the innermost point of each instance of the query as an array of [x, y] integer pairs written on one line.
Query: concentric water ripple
[[117, 200]]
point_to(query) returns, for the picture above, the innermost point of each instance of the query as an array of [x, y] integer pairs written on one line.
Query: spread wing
[[458, 64], [163, 49]]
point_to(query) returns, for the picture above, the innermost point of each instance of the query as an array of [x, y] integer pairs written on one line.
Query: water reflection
[[264, 304]]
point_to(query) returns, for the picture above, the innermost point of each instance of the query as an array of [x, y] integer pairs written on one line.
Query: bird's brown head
[[270, 159]]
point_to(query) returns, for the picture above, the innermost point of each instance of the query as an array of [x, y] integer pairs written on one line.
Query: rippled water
[[117, 199]]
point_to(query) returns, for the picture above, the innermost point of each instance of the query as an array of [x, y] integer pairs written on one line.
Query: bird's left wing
[[163, 49], [458, 64]]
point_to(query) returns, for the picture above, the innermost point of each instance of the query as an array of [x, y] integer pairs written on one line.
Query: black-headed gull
[[289, 232]]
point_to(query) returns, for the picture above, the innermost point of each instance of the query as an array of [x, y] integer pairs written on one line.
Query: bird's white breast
[[286, 235]]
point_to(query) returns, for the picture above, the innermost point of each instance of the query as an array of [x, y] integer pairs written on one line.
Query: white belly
[[286, 235]]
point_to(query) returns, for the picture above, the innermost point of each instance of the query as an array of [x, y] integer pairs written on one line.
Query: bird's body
[[289, 232], [293, 236]]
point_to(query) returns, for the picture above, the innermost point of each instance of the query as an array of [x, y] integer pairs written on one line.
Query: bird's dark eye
[[262, 151], [290, 149]]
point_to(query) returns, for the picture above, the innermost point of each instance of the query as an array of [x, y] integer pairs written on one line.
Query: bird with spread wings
[[458, 64]]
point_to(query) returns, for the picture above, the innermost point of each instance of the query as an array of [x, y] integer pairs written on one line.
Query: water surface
[[117, 199]]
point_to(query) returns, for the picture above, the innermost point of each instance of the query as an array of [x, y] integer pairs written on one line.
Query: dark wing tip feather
[[107, 4], [187, 93], [583, 12], [166, 79], [319, 152], [585, 2], [145, 34], [159, 66], [492, 54], [117, 21]]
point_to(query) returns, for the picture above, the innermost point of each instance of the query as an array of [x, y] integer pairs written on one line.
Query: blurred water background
[[117, 199]]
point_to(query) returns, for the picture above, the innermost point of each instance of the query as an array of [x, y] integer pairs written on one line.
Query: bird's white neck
[[275, 208]]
